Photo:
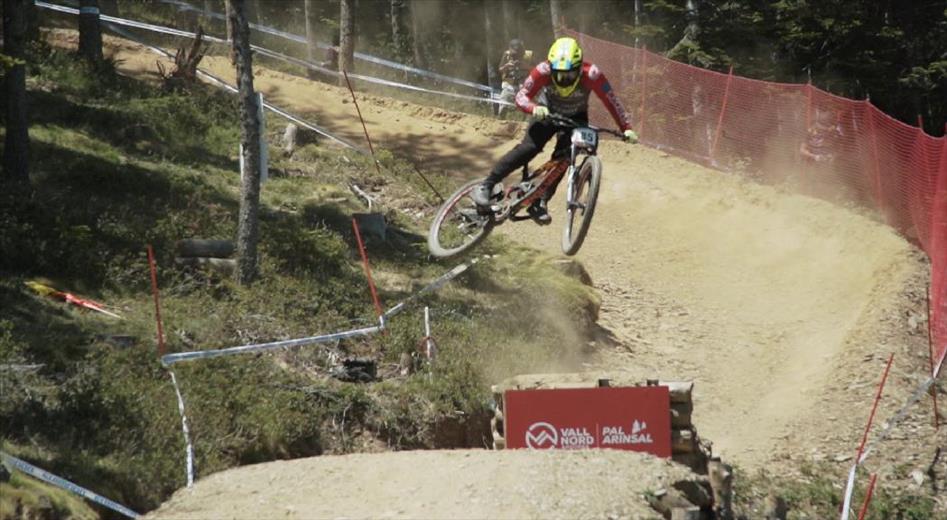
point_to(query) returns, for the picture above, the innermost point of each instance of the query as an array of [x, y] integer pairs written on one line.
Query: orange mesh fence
[[828, 146]]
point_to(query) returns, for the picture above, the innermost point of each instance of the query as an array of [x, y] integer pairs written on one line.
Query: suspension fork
[[570, 182]]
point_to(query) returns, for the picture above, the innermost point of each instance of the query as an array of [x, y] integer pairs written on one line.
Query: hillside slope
[[759, 295], [782, 308], [451, 484]]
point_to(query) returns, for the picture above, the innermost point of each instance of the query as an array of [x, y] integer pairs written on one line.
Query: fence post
[[154, 288], [805, 162], [368, 274], [879, 200], [644, 89], [847, 502], [723, 110], [930, 343], [871, 489], [360, 118]]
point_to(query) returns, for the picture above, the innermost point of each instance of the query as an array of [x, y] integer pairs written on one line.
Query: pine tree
[[90, 31], [248, 220], [17, 140]]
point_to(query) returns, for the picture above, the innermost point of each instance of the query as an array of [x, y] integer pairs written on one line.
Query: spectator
[[332, 55], [514, 68], [818, 153]]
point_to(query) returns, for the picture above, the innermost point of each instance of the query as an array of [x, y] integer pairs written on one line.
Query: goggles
[[565, 78]]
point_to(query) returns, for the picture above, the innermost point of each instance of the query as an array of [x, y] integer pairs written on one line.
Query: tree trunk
[[252, 11], [109, 7], [555, 11], [637, 14], [32, 22], [397, 27], [511, 26], [90, 32], [488, 44], [248, 222], [417, 36], [346, 36], [228, 10], [693, 19], [312, 47], [17, 141]]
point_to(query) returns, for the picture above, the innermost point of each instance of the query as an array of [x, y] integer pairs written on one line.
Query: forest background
[[893, 53]]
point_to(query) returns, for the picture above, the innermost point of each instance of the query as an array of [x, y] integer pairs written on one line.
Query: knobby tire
[[448, 214], [589, 180]]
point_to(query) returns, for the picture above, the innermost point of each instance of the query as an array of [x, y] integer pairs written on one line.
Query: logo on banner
[[542, 436], [617, 435]]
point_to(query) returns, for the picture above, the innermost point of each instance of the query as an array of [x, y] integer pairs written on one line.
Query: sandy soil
[[442, 484], [781, 308]]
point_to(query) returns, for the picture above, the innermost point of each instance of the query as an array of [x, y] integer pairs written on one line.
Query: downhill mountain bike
[[460, 223]]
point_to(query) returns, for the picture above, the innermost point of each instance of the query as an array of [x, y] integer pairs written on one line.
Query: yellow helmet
[[565, 60]]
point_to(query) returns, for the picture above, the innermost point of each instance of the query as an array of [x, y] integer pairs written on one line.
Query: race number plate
[[584, 138]]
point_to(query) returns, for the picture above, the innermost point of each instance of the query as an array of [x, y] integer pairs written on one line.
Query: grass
[[119, 164], [817, 492]]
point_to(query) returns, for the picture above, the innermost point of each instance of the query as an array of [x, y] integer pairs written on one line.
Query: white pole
[[427, 331], [264, 150], [849, 490], [431, 349]]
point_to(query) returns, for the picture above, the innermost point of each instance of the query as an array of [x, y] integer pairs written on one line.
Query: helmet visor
[[565, 78]]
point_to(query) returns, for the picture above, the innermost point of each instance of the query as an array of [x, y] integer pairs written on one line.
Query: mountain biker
[[566, 82]]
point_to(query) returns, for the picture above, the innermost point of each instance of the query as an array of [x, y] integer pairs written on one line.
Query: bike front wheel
[[582, 207], [458, 225]]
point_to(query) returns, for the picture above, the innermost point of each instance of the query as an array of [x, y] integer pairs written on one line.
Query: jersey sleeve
[[538, 78], [603, 89]]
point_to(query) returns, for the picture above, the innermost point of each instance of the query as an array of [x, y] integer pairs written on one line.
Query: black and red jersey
[[577, 102]]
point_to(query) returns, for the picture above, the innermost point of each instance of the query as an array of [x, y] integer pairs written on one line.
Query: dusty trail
[[749, 291], [772, 302], [472, 484], [752, 293]]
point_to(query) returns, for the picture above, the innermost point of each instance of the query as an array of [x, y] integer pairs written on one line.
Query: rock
[[45, 509], [574, 269], [665, 501], [918, 477], [356, 371], [696, 492], [289, 138], [775, 507], [372, 224], [117, 340]]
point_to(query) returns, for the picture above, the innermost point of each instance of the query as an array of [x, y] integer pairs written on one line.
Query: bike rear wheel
[[458, 226], [579, 216]]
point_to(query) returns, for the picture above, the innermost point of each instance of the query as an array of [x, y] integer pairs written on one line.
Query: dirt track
[[431, 484], [781, 308]]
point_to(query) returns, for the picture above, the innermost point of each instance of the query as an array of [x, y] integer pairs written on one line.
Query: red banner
[[635, 419]]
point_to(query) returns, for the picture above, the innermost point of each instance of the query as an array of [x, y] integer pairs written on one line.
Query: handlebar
[[571, 123]]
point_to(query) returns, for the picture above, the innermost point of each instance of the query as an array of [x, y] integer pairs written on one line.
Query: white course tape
[[170, 359], [377, 81], [433, 286], [899, 416], [223, 84], [62, 483], [189, 451], [849, 491], [276, 55], [184, 6]]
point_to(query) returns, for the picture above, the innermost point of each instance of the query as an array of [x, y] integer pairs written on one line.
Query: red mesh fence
[[830, 147]]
